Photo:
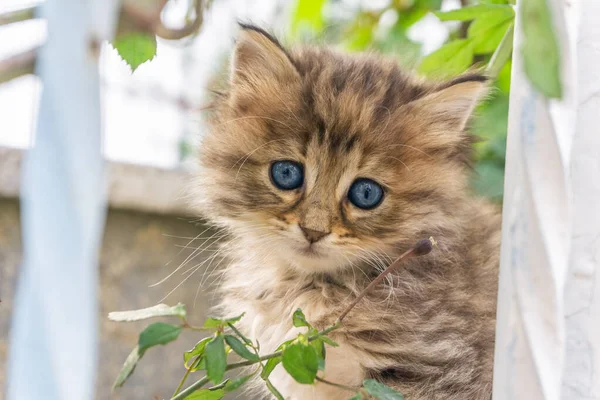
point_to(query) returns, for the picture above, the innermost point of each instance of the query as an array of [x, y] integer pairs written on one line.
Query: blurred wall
[[136, 249]]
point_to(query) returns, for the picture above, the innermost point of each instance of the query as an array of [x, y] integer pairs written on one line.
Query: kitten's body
[[429, 332]]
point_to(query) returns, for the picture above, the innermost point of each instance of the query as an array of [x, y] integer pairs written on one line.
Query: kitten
[[323, 168]]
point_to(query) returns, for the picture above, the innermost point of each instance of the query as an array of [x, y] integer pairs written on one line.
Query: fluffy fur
[[429, 331]]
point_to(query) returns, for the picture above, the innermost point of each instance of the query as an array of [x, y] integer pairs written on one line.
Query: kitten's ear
[[453, 102], [258, 56]]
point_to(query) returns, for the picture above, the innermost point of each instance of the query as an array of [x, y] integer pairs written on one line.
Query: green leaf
[[274, 391], [489, 180], [487, 31], [135, 48], [308, 14], [451, 59], [504, 76], [235, 384], [299, 319], [360, 36], [468, 13], [219, 323], [381, 391], [128, 367], [397, 44], [495, 2], [540, 51], [240, 349], [160, 310], [216, 359], [427, 4], [357, 396], [301, 362], [269, 367], [158, 333], [196, 351], [319, 346], [206, 394]]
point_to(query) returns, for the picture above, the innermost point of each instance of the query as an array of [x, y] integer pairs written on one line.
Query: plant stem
[[185, 376], [338, 385], [502, 53], [237, 332], [421, 248], [191, 389]]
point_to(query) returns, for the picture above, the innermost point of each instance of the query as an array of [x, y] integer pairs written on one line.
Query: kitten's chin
[[310, 259]]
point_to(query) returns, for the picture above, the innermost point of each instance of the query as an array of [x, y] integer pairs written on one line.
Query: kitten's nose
[[313, 235]]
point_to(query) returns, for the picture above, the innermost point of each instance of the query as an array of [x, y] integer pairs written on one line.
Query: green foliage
[[216, 359], [235, 384], [450, 59], [196, 352], [240, 348], [206, 394], [274, 391], [221, 323], [541, 58], [270, 366], [489, 24], [128, 367], [301, 362], [299, 319], [135, 48], [302, 357], [380, 391], [308, 16], [488, 29], [158, 333]]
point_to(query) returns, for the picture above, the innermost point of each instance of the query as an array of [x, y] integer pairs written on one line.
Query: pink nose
[[313, 235]]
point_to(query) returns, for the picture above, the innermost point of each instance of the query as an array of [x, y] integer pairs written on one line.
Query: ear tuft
[[454, 101], [258, 55]]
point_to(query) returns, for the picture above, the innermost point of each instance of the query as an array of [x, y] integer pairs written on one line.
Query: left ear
[[452, 102]]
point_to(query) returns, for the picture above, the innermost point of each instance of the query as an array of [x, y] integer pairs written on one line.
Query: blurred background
[[153, 115], [152, 118]]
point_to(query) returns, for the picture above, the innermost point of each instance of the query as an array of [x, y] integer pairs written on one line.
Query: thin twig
[[185, 376], [154, 24], [18, 65], [17, 15], [338, 385], [192, 27], [191, 389], [421, 248]]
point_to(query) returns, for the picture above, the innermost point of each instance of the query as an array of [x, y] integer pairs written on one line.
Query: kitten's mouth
[[310, 251]]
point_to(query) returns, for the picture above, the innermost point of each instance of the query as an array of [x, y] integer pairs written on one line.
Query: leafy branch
[[302, 357], [135, 40]]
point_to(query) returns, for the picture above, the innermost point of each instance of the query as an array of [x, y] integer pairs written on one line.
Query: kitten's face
[[326, 161]]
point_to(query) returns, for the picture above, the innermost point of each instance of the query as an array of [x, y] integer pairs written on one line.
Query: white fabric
[[548, 341], [53, 337]]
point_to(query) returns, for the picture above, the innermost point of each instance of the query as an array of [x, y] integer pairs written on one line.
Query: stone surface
[[138, 249]]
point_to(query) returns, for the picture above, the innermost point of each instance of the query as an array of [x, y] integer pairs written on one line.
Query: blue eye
[[287, 175], [365, 193]]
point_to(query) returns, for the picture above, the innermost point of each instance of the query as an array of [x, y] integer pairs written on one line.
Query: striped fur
[[429, 331]]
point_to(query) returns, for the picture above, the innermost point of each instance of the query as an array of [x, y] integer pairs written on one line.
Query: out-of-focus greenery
[[480, 35], [475, 32]]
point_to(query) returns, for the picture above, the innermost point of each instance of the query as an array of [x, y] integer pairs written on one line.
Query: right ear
[[258, 56]]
